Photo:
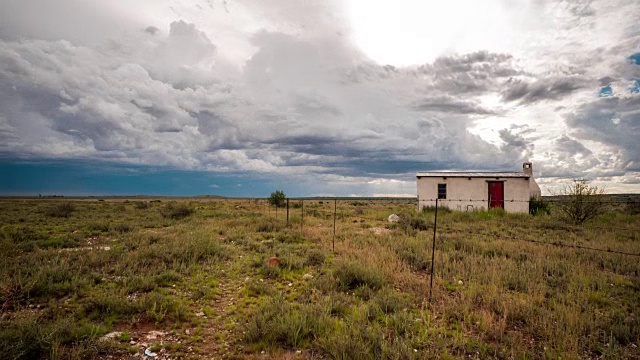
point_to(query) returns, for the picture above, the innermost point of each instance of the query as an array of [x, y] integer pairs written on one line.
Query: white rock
[[460, 282], [199, 314], [111, 335], [149, 353], [394, 218], [307, 276]]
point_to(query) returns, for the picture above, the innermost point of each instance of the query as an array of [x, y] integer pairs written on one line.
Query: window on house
[[442, 191]]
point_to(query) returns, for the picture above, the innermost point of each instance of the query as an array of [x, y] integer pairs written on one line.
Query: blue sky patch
[[635, 89], [80, 178], [635, 58], [606, 91]]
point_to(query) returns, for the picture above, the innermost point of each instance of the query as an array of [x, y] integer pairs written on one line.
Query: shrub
[[412, 223], [632, 208], [266, 225], [141, 205], [537, 206], [441, 209], [122, 228], [390, 301], [352, 275], [580, 201], [60, 210], [315, 257], [175, 210], [413, 252], [290, 236], [280, 323]]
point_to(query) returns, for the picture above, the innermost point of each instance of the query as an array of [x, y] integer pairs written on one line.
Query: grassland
[[190, 278]]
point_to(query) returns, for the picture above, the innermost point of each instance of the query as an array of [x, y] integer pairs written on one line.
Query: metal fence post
[[335, 207], [433, 249]]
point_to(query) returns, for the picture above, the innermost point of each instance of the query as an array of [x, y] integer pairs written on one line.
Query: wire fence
[[295, 206], [293, 213]]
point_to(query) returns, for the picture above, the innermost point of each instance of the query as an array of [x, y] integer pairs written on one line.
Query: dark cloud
[[448, 104], [517, 142], [543, 89], [580, 8], [471, 73], [571, 146], [614, 121], [605, 81], [151, 30]]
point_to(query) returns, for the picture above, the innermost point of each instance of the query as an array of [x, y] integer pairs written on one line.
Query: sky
[[317, 98]]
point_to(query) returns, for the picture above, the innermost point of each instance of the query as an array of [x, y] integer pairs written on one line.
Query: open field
[[191, 279]]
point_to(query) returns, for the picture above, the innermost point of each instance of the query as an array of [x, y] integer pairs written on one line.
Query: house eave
[[478, 175]]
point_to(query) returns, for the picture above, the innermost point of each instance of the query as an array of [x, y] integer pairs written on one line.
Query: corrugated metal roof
[[476, 174]]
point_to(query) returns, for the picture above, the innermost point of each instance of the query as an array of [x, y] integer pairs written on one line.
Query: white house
[[467, 191]]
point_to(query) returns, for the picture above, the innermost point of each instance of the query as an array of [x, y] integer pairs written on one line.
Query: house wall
[[464, 194]]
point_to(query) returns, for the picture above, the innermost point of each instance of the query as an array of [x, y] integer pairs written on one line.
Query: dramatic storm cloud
[[324, 97]]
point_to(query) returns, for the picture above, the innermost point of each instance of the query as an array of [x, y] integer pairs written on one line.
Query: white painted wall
[[464, 194]]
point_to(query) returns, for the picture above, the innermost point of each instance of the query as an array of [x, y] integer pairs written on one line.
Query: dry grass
[[494, 296]]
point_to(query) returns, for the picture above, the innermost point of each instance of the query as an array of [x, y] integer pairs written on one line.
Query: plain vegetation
[[203, 270]]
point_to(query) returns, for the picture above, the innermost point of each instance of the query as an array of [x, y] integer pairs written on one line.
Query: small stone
[[174, 285], [199, 314], [132, 342], [460, 282], [298, 352], [415, 350], [394, 218], [290, 284], [186, 331], [247, 279]]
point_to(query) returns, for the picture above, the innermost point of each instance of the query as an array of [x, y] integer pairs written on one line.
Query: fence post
[[287, 212], [302, 218], [433, 249], [335, 207]]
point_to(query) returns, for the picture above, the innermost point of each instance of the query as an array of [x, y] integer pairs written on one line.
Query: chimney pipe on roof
[[527, 168]]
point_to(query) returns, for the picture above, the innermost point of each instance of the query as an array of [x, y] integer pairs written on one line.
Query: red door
[[496, 194]]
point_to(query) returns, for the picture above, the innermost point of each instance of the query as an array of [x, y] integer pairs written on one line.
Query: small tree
[[580, 201], [277, 198]]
